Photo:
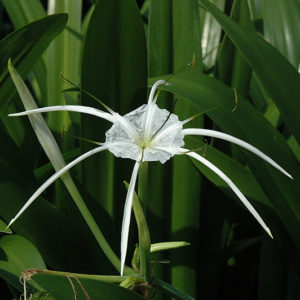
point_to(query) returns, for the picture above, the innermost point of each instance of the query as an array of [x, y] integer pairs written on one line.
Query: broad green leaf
[[66, 287], [25, 46], [248, 124], [114, 69], [63, 55], [17, 255], [280, 79], [242, 177], [184, 214], [232, 68], [281, 20], [210, 35], [70, 247], [160, 62], [21, 13]]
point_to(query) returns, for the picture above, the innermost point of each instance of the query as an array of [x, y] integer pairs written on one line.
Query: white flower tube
[[232, 139], [231, 185], [53, 178], [127, 215]]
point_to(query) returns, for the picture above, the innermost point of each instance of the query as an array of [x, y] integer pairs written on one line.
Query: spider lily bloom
[[148, 133]]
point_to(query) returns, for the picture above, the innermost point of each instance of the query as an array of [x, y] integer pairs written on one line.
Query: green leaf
[[280, 79], [66, 287], [21, 13], [17, 255], [281, 20], [3, 227], [210, 35], [171, 291], [211, 95], [242, 177], [160, 62], [70, 247], [63, 55], [114, 69], [232, 68], [185, 214], [167, 246], [25, 46]]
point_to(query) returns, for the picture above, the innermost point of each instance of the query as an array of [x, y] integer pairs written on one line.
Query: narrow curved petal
[[231, 185], [148, 119], [127, 215], [53, 178], [232, 139], [153, 89], [76, 108]]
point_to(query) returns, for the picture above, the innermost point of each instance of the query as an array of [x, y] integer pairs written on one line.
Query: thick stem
[[140, 212], [143, 186]]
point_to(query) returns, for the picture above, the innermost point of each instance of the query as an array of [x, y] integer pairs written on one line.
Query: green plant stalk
[[104, 278], [51, 149], [143, 186], [144, 238]]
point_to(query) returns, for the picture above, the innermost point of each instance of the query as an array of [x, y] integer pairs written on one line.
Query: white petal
[[127, 126], [77, 108], [232, 139], [148, 119], [232, 186], [127, 215], [153, 89], [55, 177]]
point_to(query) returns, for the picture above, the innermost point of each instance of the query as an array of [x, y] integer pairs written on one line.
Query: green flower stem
[[143, 186], [144, 239], [104, 278], [140, 211]]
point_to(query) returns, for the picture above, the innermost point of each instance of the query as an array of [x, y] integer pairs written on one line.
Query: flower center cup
[[145, 146]]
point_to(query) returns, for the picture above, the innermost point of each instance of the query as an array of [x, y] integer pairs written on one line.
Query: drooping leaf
[[280, 79], [211, 95], [25, 46]]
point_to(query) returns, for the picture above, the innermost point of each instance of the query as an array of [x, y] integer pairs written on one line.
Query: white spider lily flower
[[147, 133]]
